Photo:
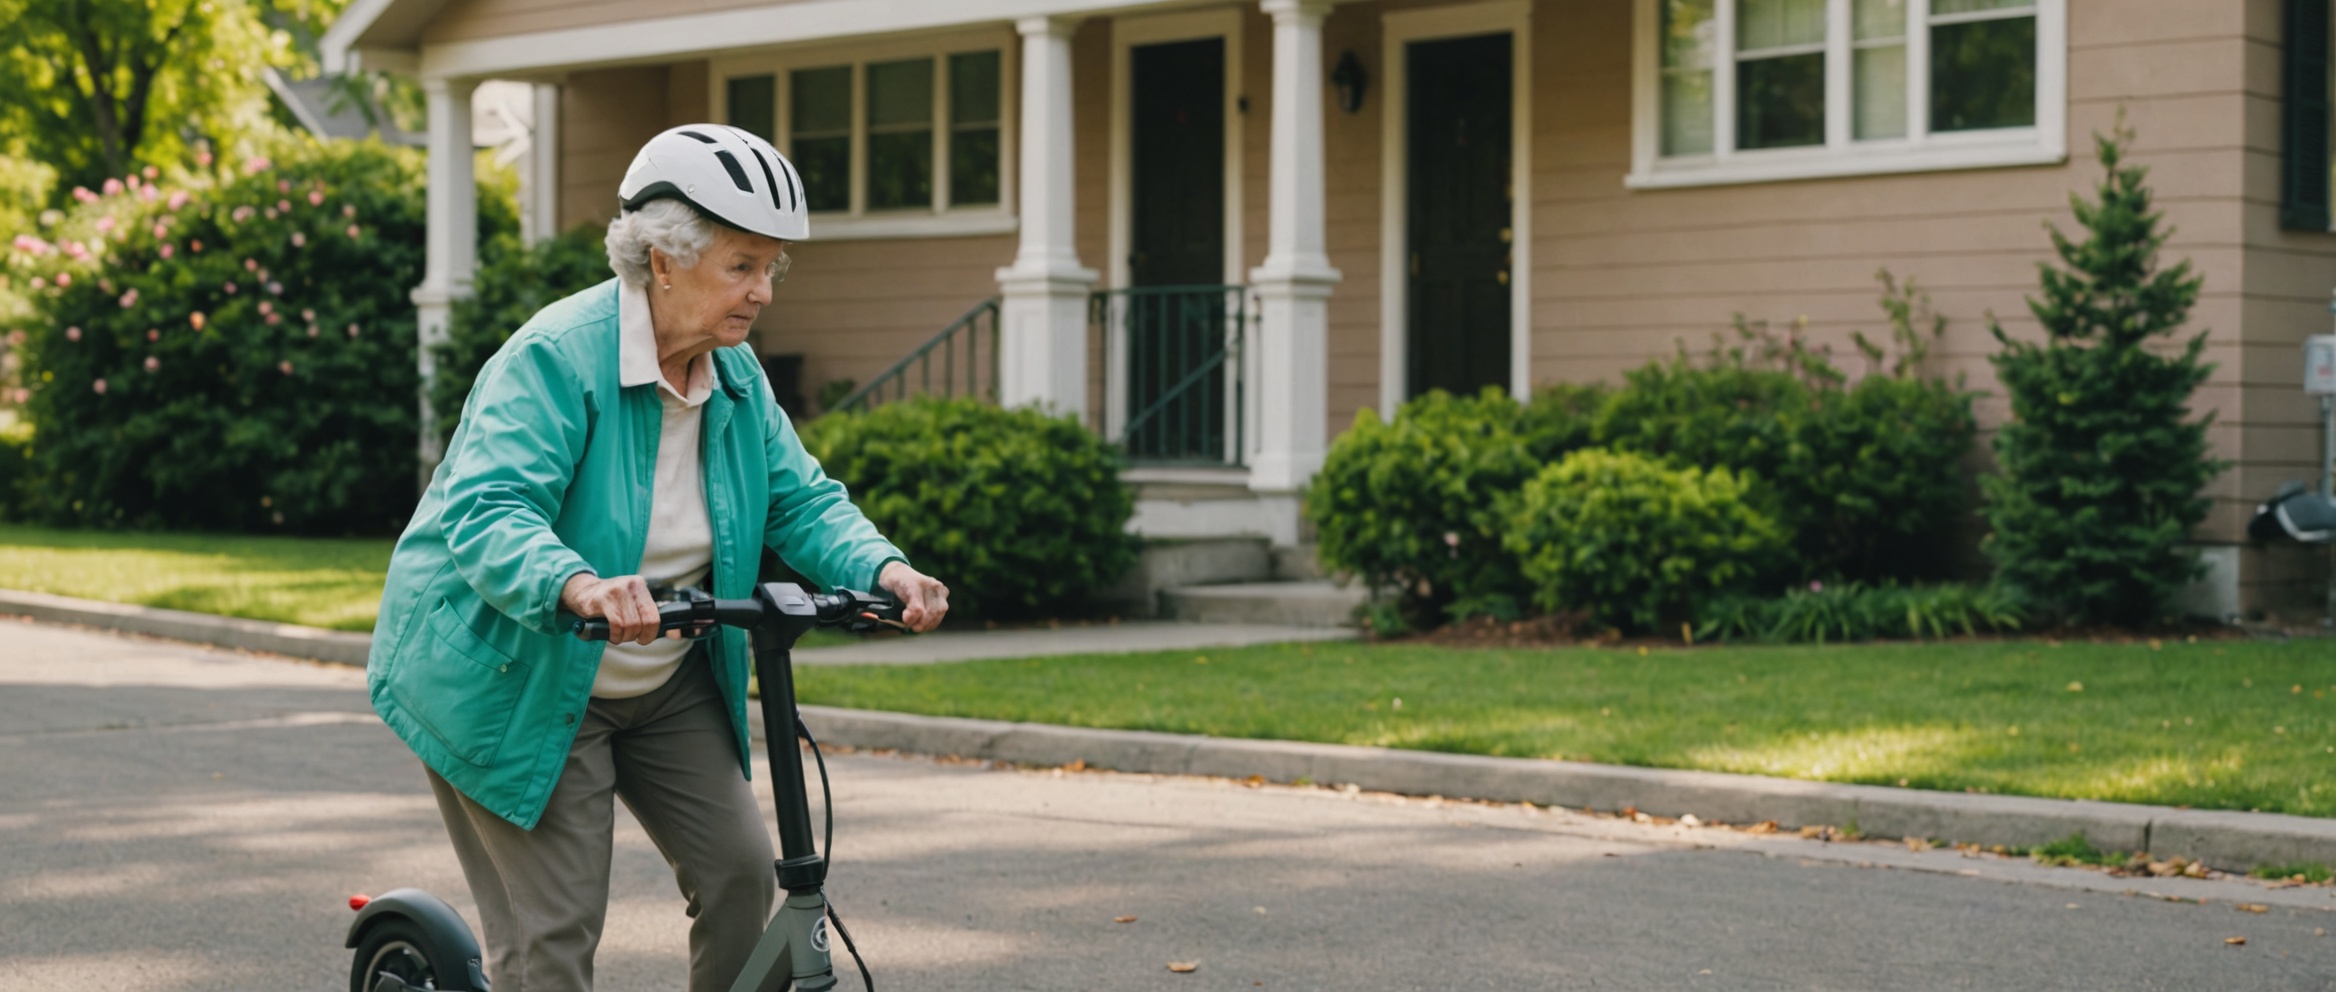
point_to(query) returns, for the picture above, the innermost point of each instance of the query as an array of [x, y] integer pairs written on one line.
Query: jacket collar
[[636, 348]]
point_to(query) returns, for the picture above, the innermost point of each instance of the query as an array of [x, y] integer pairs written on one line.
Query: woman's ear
[[660, 267]]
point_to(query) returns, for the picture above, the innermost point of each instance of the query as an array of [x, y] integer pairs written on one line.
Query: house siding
[[468, 20]]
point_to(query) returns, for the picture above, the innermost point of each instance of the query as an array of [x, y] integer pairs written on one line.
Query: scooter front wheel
[[393, 957]]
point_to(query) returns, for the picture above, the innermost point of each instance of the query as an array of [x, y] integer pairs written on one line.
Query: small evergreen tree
[[2101, 465]]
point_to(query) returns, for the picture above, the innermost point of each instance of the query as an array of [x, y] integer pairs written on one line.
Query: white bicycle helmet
[[729, 174]]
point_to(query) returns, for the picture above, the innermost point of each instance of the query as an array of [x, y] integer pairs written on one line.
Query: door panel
[[1176, 142], [1459, 214]]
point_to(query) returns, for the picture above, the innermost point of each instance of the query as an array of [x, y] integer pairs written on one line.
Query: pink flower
[[39, 283], [285, 366], [105, 223], [352, 330], [99, 385], [273, 319], [352, 232], [195, 246], [274, 288], [229, 287], [148, 192], [152, 172], [113, 186], [348, 210], [16, 338], [255, 165], [308, 315], [72, 334], [203, 158], [83, 194], [240, 214], [153, 334], [178, 198], [283, 186], [284, 206], [23, 396], [267, 307], [312, 330], [64, 279], [1816, 586], [153, 363], [196, 319], [251, 265], [160, 231], [270, 212], [299, 240], [316, 198], [132, 180], [130, 299], [168, 251]]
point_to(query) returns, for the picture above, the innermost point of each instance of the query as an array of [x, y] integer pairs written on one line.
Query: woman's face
[[717, 299]]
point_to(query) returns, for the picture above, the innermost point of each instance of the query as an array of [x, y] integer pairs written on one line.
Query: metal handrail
[[896, 377], [1174, 372]]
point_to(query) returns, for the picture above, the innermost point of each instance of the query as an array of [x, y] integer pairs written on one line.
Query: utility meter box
[[2320, 364]]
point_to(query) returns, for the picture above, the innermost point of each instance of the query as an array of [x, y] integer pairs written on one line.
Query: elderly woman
[[622, 441]]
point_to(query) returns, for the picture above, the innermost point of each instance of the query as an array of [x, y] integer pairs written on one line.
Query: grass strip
[[2216, 724], [321, 582]]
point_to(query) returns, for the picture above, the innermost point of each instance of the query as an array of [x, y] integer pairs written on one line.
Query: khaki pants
[[543, 894]]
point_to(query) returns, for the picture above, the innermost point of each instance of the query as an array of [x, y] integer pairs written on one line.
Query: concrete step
[[1170, 564], [1317, 603]]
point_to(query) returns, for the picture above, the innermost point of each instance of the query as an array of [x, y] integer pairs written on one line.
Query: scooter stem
[[800, 866]]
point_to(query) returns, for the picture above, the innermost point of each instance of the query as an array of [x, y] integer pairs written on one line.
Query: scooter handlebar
[[696, 614]]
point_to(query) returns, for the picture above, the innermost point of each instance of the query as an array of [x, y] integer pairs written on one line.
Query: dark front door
[[1458, 319], [1176, 340]]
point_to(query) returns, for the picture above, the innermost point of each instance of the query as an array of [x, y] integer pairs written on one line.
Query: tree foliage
[[2101, 463]]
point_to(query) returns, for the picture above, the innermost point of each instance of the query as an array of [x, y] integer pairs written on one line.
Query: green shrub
[[1562, 418], [1414, 505], [1020, 513], [2101, 464], [1854, 611], [1635, 542], [15, 468], [514, 281], [237, 354]]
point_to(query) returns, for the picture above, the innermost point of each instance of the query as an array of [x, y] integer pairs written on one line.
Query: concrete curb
[[2227, 840], [339, 647]]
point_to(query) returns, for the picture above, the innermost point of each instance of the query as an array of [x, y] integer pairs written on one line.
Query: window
[[1751, 90], [885, 140]]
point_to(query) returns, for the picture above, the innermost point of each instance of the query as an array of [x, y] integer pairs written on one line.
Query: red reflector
[[359, 900]]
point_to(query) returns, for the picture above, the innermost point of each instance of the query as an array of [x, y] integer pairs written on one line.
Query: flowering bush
[[233, 353]]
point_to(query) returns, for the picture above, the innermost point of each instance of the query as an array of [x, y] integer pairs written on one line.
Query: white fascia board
[[698, 35], [340, 39]]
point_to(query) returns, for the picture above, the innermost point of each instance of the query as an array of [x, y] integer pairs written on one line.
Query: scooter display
[[408, 939]]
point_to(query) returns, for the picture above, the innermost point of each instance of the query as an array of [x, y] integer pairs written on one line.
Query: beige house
[[1380, 196]]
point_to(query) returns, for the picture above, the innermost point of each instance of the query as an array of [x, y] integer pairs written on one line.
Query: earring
[[669, 285]]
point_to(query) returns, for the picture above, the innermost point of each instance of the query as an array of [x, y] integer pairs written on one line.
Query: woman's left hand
[[924, 600]]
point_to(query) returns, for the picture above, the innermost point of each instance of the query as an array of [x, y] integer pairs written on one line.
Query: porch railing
[[964, 354], [1173, 384]]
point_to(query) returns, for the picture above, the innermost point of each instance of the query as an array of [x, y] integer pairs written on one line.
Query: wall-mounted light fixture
[[1351, 80]]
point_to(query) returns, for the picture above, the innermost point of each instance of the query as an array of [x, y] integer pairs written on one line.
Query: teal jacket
[[549, 475]]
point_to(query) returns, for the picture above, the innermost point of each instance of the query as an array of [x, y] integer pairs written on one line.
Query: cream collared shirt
[[680, 547]]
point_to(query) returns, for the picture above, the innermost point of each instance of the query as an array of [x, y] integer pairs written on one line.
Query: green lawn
[[320, 582], [2225, 724]]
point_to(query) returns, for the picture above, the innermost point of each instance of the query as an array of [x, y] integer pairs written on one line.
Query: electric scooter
[[408, 939]]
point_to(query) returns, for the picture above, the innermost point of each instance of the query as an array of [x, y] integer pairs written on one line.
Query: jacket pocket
[[462, 690]]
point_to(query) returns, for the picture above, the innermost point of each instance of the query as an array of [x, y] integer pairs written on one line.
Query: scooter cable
[[827, 848]]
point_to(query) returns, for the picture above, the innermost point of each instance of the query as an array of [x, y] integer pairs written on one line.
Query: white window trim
[[1135, 32], [1399, 29], [857, 223], [2045, 143]]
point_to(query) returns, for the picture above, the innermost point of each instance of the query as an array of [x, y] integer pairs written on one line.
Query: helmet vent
[[769, 180], [700, 137], [795, 183], [737, 173]]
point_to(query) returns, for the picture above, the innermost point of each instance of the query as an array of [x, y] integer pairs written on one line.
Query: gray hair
[[668, 225]]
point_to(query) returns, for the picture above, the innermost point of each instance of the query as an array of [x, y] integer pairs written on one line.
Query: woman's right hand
[[623, 601]]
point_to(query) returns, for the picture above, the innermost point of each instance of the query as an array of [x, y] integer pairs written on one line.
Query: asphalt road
[[175, 818]]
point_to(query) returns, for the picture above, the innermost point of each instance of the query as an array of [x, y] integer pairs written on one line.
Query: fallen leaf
[[1917, 844], [1762, 827], [1254, 781], [2235, 941], [1690, 820], [2076, 687], [1188, 967], [1078, 765], [2252, 907], [1123, 919]]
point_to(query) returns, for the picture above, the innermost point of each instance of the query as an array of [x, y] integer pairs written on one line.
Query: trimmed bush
[[1877, 472], [514, 281], [1562, 418], [1636, 543], [1854, 611], [15, 468], [1414, 505], [1020, 513], [2102, 462], [237, 355]]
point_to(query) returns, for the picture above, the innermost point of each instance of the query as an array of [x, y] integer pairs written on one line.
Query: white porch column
[[1293, 285], [1043, 347], [539, 175], [452, 243]]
